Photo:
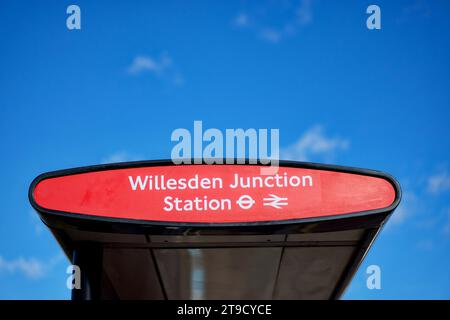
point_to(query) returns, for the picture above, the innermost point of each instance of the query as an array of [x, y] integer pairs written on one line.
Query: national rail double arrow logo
[[275, 201]]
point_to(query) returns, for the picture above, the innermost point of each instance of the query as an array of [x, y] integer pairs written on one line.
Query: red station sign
[[212, 193]]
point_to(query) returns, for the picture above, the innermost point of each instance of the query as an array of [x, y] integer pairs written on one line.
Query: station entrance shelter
[[155, 230]]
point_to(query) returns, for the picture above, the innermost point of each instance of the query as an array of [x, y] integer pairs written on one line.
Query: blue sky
[[137, 70]]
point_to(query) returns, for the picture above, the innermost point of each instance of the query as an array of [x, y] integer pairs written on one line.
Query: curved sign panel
[[164, 192]]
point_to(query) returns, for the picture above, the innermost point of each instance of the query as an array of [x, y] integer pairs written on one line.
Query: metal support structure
[[88, 257]]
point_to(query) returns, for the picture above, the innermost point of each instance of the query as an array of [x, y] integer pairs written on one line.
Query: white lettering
[[197, 204], [139, 181]]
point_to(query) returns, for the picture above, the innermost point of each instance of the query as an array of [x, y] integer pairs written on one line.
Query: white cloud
[[439, 182], [304, 12], [143, 64], [30, 267], [162, 67], [428, 215], [271, 35], [275, 21], [241, 20], [314, 144], [121, 156]]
